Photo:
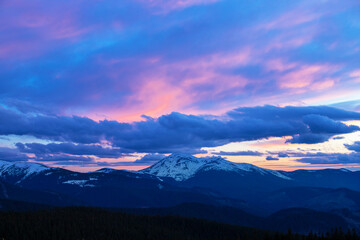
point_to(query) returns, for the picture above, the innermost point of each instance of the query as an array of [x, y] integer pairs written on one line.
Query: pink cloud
[[279, 65], [323, 84], [305, 12], [297, 76], [291, 19], [171, 5], [162, 87], [355, 75], [301, 77]]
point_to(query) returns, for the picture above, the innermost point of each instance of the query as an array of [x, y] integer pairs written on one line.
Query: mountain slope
[[18, 171], [304, 220], [327, 178], [52, 198]]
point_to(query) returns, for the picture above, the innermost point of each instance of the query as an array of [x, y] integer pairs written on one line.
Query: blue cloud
[[175, 132], [62, 158], [354, 147], [324, 124], [332, 158], [282, 155], [70, 148], [294, 113], [271, 158], [309, 138], [10, 154], [239, 153], [148, 159]]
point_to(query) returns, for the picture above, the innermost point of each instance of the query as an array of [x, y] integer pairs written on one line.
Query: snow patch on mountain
[[252, 168], [80, 183], [182, 167], [106, 170], [344, 170]]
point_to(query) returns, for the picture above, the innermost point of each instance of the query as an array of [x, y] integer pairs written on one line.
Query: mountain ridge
[[203, 164], [179, 179]]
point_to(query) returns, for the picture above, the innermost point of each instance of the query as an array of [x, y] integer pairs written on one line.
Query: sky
[[92, 84]]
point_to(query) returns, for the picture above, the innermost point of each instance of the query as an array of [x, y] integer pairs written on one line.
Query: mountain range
[[332, 195]]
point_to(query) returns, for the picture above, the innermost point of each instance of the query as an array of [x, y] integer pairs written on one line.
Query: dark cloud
[[338, 138], [70, 148], [354, 147], [239, 153], [177, 149], [75, 163], [56, 158], [321, 157], [325, 158], [323, 124], [10, 154], [25, 106], [294, 113], [114, 164], [59, 128], [332, 158], [150, 159], [282, 155], [309, 138], [175, 132], [271, 158], [120, 164]]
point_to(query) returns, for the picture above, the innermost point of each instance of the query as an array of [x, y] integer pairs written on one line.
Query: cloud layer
[[82, 138]]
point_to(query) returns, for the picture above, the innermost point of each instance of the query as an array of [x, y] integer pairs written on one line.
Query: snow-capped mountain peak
[[182, 167], [177, 166], [24, 169]]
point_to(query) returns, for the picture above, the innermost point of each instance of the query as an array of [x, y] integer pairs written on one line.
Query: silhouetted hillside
[[300, 220], [96, 224]]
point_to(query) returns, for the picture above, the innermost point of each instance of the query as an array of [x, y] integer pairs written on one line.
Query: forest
[[94, 224]]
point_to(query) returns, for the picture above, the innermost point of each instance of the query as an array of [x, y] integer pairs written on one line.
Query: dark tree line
[[92, 224]]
